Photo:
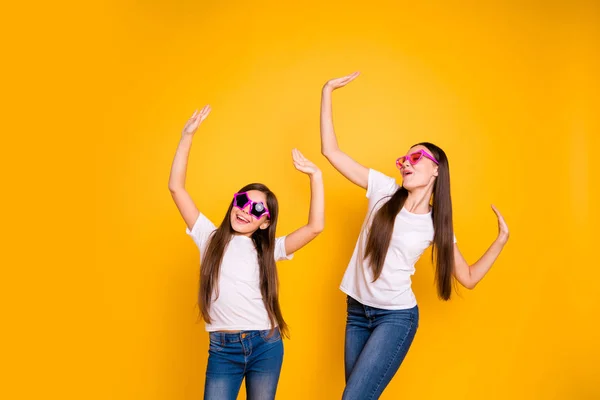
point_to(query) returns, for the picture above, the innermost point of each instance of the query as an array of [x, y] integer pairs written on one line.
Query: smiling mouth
[[241, 219]]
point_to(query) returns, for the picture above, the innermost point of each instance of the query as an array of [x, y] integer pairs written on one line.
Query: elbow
[[470, 285], [328, 153], [174, 189], [317, 229]]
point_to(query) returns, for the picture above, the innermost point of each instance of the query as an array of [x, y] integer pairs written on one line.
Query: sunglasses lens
[[258, 210], [415, 157], [400, 161], [241, 200]]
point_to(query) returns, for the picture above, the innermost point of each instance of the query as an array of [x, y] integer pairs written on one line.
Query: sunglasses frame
[[252, 203], [423, 153]]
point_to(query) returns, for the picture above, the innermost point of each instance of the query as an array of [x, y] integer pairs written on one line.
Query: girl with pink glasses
[[239, 289], [402, 221]]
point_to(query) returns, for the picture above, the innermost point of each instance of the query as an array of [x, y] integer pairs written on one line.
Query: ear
[[436, 171], [265, 224]]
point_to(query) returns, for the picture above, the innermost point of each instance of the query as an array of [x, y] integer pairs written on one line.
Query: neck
[[418, 199], [248, 235]]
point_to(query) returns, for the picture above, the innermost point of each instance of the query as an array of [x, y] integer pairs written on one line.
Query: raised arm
[[316, 216], [470, 275], [182, 199], [352, 170]]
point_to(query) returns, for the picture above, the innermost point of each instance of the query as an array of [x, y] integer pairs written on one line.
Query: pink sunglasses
[[257, 209], [414, 158]]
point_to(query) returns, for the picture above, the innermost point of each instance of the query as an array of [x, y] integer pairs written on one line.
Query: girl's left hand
[[195, 120], [503, 232], [303, 164]]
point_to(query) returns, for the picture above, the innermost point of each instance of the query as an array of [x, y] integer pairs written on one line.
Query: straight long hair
[[380, 232], [264, 242]]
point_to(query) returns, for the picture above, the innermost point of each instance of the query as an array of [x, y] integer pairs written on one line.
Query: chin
[[241, 229], [412, 185], [408, 186]]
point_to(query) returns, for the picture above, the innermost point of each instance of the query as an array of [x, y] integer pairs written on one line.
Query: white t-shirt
[[412, 234], [240, 303]]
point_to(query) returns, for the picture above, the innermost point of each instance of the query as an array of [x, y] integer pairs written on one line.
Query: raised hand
[[337, 83], [196, 119], [503, 232], [303, 164]]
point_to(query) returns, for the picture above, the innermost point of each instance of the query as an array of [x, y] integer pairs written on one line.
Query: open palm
[[195, 120], [303, 164], [337, 83]]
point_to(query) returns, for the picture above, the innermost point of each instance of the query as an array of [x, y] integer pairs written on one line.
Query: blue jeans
[[247, 354], [376, 343]]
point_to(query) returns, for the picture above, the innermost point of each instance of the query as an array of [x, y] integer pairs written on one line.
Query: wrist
[[186, 136], [502, 239], [316, 175]]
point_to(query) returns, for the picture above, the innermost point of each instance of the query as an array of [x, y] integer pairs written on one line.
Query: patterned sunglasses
[[257, 209]]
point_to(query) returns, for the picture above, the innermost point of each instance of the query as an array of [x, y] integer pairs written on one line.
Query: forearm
[[329, 142], [480, 268], [179, 166], [316, 216]]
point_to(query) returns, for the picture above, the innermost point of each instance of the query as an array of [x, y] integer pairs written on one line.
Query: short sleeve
[[380, 185], [280, 250], [201, 231]]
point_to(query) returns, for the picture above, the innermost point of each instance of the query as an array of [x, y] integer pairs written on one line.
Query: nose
[[247, 208]]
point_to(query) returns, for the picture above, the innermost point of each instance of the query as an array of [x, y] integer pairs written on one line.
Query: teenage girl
[[238, 295], [402, 221]]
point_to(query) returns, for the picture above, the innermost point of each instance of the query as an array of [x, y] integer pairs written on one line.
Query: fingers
[[352, 76], [296, 158], [300, 155], [300, 162], [204, 112], [501, 223], [348, 78], [496, 211]]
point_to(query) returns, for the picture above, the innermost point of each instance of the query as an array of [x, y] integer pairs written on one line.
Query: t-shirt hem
[[368, 303], [238, 328]]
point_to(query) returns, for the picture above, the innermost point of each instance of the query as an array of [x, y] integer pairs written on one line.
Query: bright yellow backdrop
[[100, 278]]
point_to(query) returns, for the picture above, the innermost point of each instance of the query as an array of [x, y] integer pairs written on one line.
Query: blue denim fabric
[[377, 341]]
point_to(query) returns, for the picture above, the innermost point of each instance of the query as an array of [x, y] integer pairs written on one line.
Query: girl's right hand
[[337, 83], [196, 119], [303, 164], [503, 232]]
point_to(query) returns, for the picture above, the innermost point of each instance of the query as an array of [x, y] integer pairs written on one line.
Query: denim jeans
[[377, 341], [247, 354]]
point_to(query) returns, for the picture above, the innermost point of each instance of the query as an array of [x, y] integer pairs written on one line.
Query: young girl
[[238, 294], [401, 223]]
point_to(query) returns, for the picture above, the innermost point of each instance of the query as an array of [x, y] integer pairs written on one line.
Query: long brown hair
[[380, 234], [264, 242]]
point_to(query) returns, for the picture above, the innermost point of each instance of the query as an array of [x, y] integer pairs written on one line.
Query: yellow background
[[99, 279]]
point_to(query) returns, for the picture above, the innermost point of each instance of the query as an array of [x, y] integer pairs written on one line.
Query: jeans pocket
[[215, 343], [275, 337]]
